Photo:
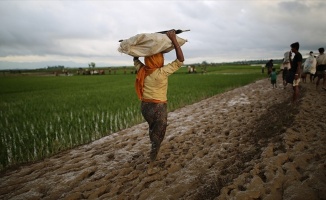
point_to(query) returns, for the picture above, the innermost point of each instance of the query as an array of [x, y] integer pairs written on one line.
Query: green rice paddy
[[43, 115]]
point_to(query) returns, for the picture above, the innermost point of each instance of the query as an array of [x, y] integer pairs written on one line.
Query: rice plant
[[41, 116]]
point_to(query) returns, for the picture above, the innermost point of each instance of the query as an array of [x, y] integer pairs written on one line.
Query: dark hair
[[321, 50], [295, 45]]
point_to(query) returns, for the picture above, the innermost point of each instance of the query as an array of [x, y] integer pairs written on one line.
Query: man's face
[[293, 50]]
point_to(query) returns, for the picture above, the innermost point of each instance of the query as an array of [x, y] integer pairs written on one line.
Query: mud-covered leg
[[156, 116]]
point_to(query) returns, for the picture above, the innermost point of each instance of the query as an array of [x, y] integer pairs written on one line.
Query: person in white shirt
[[309, 66]]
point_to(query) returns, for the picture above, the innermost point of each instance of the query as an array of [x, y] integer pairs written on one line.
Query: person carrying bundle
[[151, 88]]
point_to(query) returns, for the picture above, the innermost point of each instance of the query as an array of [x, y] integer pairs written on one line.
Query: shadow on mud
[[269, 128]]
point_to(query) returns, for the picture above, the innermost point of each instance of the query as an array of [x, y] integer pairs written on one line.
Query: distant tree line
[[242, 62], [251, 62], [56, 67]]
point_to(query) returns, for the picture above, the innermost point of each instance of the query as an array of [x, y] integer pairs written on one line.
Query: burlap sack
[[147, 44]]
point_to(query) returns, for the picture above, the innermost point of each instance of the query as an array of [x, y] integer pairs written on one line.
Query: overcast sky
[[37, 34]]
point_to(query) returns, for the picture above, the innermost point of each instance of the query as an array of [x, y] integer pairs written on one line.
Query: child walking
[[273, 78]]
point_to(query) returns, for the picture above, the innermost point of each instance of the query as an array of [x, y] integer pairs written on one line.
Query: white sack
[[310, 65], [147, 44], [286, 57]]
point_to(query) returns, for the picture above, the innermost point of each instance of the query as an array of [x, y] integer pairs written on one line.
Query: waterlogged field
[[43, 115]]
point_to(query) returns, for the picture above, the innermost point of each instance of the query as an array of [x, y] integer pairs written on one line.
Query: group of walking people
[[315, 66], [293, 69], [152, 81]]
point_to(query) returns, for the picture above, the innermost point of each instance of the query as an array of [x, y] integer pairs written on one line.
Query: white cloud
[[88, 31]]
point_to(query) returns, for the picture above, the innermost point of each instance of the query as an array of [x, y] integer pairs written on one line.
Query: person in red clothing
[[151, 88]]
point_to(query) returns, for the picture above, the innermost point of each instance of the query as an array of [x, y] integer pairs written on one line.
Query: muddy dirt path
[[248, 143]]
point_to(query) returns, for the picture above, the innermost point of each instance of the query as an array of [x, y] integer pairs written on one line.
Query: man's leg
[[296, 93], [317, 82]]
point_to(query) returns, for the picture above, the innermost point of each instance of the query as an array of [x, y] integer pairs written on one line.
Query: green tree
[[204, 66], [204, 63], [92, 66]]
